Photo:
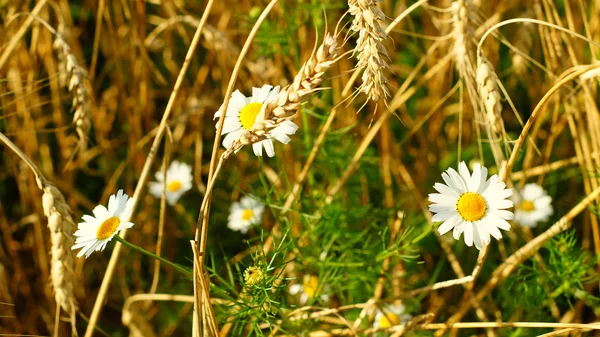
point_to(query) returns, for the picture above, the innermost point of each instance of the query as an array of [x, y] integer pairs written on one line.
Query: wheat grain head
[[73, 76], [369, 51], [490, 94], [62, 227], [285, 106]]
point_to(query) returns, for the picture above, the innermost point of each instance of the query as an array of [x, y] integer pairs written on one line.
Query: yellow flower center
[[310, 285], [253, 276], [388, 320], [471, 206], [108, 228], [248, 114], [247, 214], [174, 186], [527, 206]]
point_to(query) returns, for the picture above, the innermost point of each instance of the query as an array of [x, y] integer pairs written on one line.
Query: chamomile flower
[[241, 116], [472, 205], [390, 315], [532, 205], [309, 288], [179, 181], [96, 231], [244, 214]]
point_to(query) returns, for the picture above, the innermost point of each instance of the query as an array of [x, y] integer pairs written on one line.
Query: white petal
[[295, 288], [101, 213], [449, 224], [273, 94], [268, 144], [459, 229], [437, 208], [476, 238], [257, 147], [495, 232], [445, 190], [112, 204], [483, 178], [231, 124], [459, 181], [231, 137], [445, 200], [155, 188], [260, 95], [468, 233], [464, 172], [442, 216], [475, 179]]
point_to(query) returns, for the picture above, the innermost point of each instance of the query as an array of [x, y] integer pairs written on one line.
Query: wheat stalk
[[370, 52], [284, 107]]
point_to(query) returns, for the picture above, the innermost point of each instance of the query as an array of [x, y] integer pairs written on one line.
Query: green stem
[[152, 255]]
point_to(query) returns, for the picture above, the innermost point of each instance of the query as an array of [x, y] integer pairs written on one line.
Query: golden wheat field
[[299, 168]]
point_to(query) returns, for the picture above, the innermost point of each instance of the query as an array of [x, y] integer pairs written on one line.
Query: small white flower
[[179, 181], [532, 206], [241, 116], [244, 214], [471, 204], [390, 315], [309, 288], [96, 231]]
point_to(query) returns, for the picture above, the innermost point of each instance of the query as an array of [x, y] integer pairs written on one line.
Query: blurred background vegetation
[[371, 237]]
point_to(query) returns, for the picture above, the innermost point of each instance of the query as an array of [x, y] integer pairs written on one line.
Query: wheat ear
[[62, 227], [369, 51], [490, 94], [463, 48], [284, 107], [73, 76], [523, 42]]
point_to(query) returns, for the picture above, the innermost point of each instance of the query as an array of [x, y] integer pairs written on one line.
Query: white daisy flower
[[533, 205], [179, 181], [308, 289], [244, 214], [241, 116], [96, 231], [390, 315], [471, 204]]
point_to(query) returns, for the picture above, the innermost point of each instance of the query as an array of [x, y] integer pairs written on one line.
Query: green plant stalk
[[152, 255]]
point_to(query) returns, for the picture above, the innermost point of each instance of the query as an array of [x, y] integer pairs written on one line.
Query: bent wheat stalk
[[62, 227]]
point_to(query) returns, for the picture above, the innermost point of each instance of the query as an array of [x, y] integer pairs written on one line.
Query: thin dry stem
[[110, 269]]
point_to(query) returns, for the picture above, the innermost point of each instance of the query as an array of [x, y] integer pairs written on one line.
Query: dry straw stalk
[[370, 52]]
